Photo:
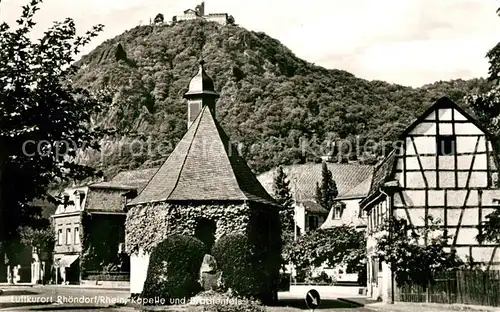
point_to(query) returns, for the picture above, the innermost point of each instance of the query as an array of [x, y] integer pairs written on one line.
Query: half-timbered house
[[444, 168]]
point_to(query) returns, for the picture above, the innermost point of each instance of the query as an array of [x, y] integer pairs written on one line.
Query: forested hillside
[[270, 99]]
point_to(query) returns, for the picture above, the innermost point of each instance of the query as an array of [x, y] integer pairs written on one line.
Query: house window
[[313, 223], [337, 213], [77, 236], [68, 236], [59, 237], [82, 197], [446, 145]]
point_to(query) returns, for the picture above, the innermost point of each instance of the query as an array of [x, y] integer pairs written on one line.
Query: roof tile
[[204, 166], [303, 178]]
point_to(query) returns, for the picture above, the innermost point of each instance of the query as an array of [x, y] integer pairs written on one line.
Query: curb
[[90, 287]]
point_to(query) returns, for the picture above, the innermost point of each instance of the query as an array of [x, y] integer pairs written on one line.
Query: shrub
[[174, 267], [242, 271]]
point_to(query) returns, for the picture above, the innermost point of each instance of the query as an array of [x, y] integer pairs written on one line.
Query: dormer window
[[446, 145], [338, 211], [66, 200]]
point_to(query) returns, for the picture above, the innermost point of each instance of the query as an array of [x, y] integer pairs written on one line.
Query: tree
[[327, 191], [342, 245], [399, 243], [120, 53], [41, 239], [283, 195], [159, 18], [486, 107], [44, 120]]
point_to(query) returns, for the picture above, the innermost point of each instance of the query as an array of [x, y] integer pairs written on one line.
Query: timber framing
[[447, 168]]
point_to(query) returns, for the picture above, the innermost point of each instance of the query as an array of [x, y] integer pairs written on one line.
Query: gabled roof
[[382, 174], [313, 207], [303, 178], [204, 166], [111, 186], [359, 191], [136, 178], [385, 171], [443, 102]]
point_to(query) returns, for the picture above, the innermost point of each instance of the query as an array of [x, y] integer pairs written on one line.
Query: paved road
[[327, 305], [78, 299], [43, 298]]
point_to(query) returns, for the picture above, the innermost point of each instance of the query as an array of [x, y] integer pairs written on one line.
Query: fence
[[105, 276], [464, 287]]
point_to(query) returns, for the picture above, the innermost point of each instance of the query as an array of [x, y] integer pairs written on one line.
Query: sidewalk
[[416, 307], [428, 307], [91, 287], [7, 285]]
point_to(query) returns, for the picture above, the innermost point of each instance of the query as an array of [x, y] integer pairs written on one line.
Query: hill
[[271, 101]]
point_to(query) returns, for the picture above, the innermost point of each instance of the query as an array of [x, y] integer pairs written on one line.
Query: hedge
[[174, 267], [242, 271]]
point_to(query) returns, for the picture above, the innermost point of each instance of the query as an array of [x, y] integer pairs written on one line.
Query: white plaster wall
[[300, 218], [221, 19], [75, 206], [351, 213], [139, 263]]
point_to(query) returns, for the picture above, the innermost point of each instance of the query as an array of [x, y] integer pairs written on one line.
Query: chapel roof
[[201, 84], [204, 166]]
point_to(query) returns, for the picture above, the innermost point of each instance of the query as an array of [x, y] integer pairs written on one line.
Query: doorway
[[205, 232]]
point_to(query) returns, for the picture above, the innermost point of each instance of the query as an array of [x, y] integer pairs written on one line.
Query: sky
[[409, 42]]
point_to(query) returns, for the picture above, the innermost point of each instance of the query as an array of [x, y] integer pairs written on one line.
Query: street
[[75, 298], [79, 299], [51, 298]]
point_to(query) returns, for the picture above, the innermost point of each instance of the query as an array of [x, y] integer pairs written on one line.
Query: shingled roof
[[138, 178], [303, 179], [204, 166], [359, 191], [383, 173]]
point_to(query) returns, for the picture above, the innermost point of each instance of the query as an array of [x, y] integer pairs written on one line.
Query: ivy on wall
[[147, 225], [100, 238]]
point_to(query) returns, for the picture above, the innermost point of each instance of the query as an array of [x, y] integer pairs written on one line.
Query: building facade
[[309, 216], [199, 13], [444, 168], [353, 184], [91, 215]]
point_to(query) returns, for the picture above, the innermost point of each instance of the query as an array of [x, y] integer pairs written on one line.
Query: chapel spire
[[201, 93]]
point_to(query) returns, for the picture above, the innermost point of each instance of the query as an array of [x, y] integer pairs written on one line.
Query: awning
[[66, 261]]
